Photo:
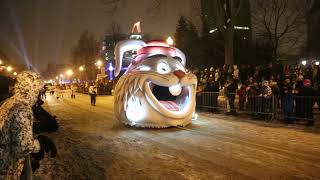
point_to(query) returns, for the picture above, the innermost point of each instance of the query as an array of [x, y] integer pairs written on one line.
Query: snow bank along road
[[93, 145]]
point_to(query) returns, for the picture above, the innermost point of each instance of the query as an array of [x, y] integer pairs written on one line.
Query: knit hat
[[306, 82]]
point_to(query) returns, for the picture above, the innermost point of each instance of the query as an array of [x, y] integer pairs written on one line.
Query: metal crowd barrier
[[269, 108], [299, 108]]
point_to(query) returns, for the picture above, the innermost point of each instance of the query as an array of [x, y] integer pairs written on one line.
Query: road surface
[[93, 145]]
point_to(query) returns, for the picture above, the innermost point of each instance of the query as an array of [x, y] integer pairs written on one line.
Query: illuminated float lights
[[136, 36], [136, 31]]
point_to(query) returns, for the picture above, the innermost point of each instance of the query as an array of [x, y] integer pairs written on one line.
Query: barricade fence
[[288, 107]]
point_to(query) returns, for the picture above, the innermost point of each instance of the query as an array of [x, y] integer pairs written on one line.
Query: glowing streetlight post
[[99, 64], [9, 68], [170, 41], [81, 68], [69, 72]]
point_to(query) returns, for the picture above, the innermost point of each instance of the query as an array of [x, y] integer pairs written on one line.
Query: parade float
[[156, 90]]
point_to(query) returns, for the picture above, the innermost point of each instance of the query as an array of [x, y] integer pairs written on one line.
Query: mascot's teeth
[[175, 90]]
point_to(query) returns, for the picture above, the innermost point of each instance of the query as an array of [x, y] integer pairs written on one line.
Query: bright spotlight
[[304, 62], [170, 41], [15, 73], [317, 63]]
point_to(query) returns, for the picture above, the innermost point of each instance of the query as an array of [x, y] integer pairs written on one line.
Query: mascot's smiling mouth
[[172, 98], [173, 101]]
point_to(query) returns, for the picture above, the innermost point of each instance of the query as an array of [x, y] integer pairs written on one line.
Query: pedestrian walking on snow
[[93, 93]]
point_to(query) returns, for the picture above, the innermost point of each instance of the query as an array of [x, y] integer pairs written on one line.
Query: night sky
[[43, 31]]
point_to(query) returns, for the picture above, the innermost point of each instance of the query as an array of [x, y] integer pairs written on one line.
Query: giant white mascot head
[[156, 90]]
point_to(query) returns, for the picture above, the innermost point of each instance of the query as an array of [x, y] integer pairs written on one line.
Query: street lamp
[[170, 41], [61, 75], [15, 73], [9, 68], [69, 72], [317, 63], [99, 63], [81, 68], [304, 62]]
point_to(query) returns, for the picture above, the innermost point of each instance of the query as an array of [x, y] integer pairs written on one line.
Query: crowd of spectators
[[104, 87], [295, 88]]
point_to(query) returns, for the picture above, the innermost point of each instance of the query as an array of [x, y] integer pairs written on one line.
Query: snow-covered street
[[93, 145]]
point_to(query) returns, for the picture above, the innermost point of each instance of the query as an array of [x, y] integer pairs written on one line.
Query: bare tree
[[114, 28], [227, 12], [115, 32], [112, 6], [84, 53], [282, 23]]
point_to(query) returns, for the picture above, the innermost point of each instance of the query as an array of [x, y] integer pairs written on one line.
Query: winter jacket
[[266, 91], [16, 120], [92, 90]]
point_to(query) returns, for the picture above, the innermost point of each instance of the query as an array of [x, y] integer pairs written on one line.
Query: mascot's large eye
[[163, 68]]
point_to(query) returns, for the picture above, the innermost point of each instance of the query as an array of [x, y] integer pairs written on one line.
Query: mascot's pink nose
[[179, 73]]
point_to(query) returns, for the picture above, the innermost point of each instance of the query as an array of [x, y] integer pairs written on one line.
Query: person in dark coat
[[308, 97], [6, 84], [231, 89], [287, 103], [297, 91], [213, 88], [44, 122], [252, 94], [242, 97]]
